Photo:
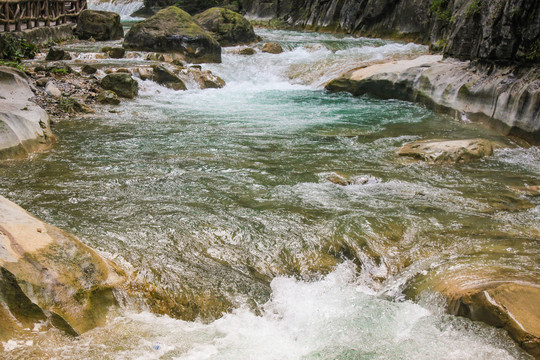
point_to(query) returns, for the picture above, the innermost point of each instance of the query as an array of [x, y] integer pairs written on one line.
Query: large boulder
[[174, 30], [227, 27], [121, 84], [24, 126], [100, 25], [47, 276], [447, 151]]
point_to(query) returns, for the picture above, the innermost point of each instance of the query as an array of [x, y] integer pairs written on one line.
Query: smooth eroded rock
[[447, 151], [121, 84], [227, 27], [48, 275], [24, 126], [174, 30]]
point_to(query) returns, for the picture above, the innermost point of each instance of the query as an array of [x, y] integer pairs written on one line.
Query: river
[[219, 198]]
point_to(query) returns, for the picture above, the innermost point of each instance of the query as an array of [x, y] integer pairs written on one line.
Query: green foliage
[[474, 8], [60, 71], [15, 49], [12, 64], [534, 51], [441, 10]]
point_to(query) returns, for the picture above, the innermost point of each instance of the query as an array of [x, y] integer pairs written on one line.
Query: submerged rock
[[108, 97], [167, 78], [121, 84], [447, 151], [99, 25], [48, 275], [272, 48], [247, 51], [227, 27], [24, 126], [174, 30]]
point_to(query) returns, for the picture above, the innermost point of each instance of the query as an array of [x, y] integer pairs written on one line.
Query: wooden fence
[[18, 14]]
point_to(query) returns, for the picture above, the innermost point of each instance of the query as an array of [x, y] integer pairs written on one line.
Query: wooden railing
[[18, 14]]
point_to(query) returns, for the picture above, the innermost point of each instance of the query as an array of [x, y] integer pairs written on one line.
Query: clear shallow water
[[212, 194]]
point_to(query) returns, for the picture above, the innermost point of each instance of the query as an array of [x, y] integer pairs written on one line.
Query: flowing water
[[220, 199]]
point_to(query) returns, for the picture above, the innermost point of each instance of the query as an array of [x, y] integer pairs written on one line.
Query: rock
[[145, 73], [122, 84], [227, 27], [24, 126], [247, 51], [56, 54], [339, 179], [116, 52], [447, 151], [272, 48], [108, 97], [123, 70], [48, 275], [167, 78], [52, 90], [42, 82], [99, 25], [174, 30], [89, 69], [505, 97], [512, 306], [205, 79]]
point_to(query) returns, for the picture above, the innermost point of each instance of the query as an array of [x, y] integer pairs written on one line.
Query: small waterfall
[[122, 7]]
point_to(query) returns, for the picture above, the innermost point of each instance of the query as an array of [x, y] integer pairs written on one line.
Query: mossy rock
[[174, 30], [121, 84], [100, 25], [227, 27]]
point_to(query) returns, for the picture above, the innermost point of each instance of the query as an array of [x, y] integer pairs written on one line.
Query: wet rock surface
[[447, 151], [121, 84]]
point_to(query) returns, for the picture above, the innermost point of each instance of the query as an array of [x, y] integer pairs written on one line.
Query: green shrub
[[15, 49], [533, 54], [474, 8], [441, 10]]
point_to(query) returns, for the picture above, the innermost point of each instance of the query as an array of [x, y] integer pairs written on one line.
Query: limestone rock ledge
[[505, 97], [24, 126], [48, 278]]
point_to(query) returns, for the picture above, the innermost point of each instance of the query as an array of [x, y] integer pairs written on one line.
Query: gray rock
[[99, 25], [121, 84], [42, 82], [52, 90], [24, 126], [88, 69]]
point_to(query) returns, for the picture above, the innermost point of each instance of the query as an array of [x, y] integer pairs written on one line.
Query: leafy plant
[[534, 51], [441, 10], [16, 49], [12, 64], [474, 8], [59, 71]]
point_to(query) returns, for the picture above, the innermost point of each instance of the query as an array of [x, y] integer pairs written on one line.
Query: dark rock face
[[227, 27], [121, 84], [193, 6], [56, 54], [168, 78], [174, 30], [503, 30], [100, 25]]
